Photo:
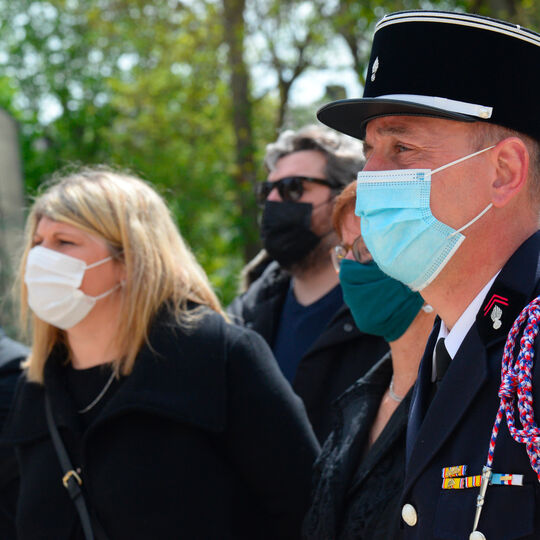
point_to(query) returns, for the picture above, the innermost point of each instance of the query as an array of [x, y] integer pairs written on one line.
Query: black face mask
[[286, 231]]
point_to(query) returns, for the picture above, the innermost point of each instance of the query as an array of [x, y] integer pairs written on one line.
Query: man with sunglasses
[[449, 203], [297, 304]]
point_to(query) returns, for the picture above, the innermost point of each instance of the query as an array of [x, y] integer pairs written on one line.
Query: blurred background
[[184, 93]]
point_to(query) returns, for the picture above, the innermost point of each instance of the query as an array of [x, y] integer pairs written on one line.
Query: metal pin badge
[[496, 314], [374, 69]]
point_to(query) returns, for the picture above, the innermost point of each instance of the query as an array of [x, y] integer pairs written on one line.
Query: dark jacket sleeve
[[236, 310], [259, 277], [269, 436], [12, 353]]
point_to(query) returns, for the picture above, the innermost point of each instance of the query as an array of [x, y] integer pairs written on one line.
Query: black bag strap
[[71, 479]]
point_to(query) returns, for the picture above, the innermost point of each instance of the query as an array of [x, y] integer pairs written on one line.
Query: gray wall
[[11, 214]]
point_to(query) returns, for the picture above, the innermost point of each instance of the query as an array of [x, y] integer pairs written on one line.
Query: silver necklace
[[99, 396], [393, 395]]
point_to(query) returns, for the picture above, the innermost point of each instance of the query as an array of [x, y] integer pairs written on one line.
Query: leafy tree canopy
[[159, 88]]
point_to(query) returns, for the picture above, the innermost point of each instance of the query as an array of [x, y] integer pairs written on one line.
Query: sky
[[311, 86]]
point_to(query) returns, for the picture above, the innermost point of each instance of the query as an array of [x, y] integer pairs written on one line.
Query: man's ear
[[511, 160]]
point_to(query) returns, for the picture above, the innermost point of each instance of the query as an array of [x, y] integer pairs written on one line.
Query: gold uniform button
[[409, 515]]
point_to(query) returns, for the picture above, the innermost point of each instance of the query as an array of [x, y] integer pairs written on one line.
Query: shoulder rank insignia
[[499, 310]]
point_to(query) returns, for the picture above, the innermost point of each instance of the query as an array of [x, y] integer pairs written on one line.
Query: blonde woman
[[176, 424]]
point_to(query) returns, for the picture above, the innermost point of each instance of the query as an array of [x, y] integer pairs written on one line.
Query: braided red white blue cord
[[516, 381]]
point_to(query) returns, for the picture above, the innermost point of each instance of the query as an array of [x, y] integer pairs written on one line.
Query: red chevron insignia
[[495, 299]]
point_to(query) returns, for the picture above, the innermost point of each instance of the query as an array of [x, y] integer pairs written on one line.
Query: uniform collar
[[512, 289], [454, 338], [498, 304]]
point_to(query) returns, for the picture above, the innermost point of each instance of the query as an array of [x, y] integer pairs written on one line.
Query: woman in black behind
[[359, 475]]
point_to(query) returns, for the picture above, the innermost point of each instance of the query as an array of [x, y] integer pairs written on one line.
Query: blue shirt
[[299, 327]]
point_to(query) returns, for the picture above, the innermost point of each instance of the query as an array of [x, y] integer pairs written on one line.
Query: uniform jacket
[[357, 491], [456, 428], [203, 440], [338, 357]]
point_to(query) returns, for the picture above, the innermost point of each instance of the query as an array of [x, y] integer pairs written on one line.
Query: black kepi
[[447, 65]]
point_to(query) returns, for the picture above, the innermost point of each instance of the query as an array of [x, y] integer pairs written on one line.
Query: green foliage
[[523, 12], [139, 85], [145, 85]]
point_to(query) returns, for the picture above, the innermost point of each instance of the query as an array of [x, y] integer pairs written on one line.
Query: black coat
[[357, 490], [203, 440], [12, 353], [456, 428], [337, 358]]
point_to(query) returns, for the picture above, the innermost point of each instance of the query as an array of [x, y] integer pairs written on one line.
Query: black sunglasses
[[290, 188]]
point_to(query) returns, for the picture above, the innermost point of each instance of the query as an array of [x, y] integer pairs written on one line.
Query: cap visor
[[350, 116]]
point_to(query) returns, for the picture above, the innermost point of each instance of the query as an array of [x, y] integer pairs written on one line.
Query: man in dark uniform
[[449, 204], [297, 304]]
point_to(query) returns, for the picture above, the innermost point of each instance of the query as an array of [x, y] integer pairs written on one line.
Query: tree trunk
[[284, 88], [242, 116]]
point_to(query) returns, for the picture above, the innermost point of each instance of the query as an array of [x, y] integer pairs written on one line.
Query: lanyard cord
[[516, 382]]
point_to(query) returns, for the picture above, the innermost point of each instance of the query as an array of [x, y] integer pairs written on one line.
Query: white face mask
[[53, 280]]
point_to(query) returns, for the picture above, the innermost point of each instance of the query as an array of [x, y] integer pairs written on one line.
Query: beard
[[319, 256]]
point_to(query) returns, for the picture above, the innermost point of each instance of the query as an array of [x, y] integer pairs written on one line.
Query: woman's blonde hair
[[140, 232]]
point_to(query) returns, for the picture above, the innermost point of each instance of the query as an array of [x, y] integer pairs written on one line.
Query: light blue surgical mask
[[404, 238]]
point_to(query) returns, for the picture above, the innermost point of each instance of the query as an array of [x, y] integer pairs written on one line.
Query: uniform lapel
[[422, 390], [464, 378]]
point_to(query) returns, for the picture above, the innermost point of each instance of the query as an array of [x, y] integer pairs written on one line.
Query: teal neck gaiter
[[380, 305]]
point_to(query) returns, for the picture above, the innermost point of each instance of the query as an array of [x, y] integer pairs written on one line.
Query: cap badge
[[374, 68]]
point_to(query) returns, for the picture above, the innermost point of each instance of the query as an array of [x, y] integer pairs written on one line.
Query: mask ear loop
[[110, 291], [106, 293], [98, 263], [488, 207], [462, 159]]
